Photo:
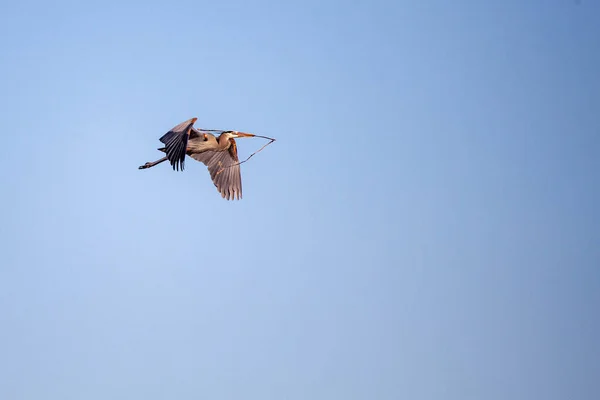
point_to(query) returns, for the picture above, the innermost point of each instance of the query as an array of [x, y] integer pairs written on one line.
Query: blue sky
[[426, 225]]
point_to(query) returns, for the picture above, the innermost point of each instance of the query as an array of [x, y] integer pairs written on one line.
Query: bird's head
[[236, 134]]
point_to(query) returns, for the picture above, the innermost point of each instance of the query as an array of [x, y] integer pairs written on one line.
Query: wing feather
[[176, 143], [224, 172]]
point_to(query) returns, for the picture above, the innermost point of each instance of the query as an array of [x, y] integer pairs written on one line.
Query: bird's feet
[[147, 165]]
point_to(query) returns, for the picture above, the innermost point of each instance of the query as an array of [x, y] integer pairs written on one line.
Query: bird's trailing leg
[[152, 164]]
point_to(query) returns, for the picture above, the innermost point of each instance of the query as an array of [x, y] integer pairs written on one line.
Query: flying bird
[[218, 153]]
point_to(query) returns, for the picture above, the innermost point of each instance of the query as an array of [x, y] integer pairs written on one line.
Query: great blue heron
[[219, 154]]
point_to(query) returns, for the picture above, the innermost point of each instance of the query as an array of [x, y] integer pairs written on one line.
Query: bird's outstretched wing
[[176, 143], [224, 171]]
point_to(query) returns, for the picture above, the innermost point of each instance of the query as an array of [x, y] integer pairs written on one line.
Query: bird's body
[[218, 153], [209, 142]]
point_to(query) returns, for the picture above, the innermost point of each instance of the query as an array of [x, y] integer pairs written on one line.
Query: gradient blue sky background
[[427, 225]]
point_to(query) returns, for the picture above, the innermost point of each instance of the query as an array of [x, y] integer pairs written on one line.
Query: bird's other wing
[[176, 143], [195, 133], [224, 172]]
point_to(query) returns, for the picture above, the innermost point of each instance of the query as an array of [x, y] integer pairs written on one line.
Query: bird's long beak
[[242, 134]]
